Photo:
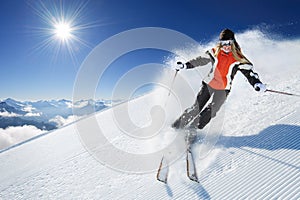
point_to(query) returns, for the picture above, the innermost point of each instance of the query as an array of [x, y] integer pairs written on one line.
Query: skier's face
[[226, 48], [226, 45]]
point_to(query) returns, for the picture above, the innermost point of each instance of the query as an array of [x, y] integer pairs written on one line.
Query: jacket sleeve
[[199, 61], [247, 70]]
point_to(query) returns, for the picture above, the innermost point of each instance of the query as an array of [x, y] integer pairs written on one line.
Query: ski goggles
[[226, 42]]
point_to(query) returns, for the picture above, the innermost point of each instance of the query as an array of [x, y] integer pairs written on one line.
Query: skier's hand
[[180, 66], [260, 87]]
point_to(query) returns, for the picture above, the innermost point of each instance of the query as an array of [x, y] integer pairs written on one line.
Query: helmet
[[227, 34]]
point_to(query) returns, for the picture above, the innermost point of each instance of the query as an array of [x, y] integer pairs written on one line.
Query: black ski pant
[[196, 116]]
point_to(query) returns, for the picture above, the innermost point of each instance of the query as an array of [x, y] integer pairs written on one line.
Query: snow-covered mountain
[[45, 110], [250, 150], [17, 117]]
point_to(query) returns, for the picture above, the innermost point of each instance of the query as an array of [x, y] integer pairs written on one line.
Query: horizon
[[63, 99]]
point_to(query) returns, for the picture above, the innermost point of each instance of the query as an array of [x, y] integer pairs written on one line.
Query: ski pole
[[177, 70], [285, 93], [163, 166], [171, 86], [173, 80]]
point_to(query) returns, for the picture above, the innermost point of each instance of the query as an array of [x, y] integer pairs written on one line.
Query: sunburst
[[62, 25], [63, 31]]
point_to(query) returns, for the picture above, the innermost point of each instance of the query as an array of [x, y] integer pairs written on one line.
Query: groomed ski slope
[[263, 164], [254, 156]]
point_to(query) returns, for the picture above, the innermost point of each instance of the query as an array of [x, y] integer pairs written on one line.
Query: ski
[[163, 171], [190, 166], [191, 136]]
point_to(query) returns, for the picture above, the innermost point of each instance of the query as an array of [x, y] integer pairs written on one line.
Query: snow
[[250, 150]]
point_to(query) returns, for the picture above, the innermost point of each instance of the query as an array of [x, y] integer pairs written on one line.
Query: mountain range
[[45, 114]]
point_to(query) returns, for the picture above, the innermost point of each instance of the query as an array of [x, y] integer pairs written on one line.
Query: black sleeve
[[189, 65], [252, 77]]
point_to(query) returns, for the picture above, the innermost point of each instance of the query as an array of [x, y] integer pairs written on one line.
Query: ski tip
[[195, 179], [162, 181]]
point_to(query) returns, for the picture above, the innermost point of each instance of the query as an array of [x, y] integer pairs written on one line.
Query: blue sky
[[32, 70]]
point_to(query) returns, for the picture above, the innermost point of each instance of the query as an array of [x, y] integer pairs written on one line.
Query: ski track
[[263, 164]]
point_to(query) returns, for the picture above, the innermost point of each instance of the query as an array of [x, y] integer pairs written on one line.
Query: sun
[[62, 27], [63, 31]]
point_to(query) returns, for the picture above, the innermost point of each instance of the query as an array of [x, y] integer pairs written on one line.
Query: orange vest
[[222, 71]]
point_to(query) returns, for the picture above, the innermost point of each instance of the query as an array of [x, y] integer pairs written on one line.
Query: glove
[[180, 66], [260, 87]]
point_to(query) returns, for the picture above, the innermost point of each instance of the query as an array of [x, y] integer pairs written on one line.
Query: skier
[[226, 59]]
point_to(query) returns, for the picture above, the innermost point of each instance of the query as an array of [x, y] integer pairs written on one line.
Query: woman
[[226, 59]]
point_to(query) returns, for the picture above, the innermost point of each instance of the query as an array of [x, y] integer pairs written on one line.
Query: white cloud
[[32, 115], [8, 114], [14, 135], [30, 111], [28, 108], [60, 121], [69, 104], [80, 104]]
